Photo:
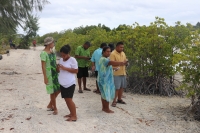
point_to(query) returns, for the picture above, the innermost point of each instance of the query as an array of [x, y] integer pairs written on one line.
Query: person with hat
[[48, 61], [82, 55]]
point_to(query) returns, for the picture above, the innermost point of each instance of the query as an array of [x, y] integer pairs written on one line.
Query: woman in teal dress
[[48, 60], [105, 79]]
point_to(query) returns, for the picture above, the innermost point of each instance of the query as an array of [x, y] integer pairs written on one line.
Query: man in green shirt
[[82, 54]]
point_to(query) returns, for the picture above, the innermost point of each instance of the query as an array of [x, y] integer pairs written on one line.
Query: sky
[[61, 15]]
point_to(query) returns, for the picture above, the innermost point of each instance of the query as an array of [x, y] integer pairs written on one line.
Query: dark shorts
[[96, 74], [82, 72], [34, 45], [67, 92]]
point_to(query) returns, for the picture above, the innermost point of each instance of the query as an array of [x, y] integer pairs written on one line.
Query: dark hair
[[112, 47], [65, 49], [105, 48], [119, 43], [87, 43], [103, 45]]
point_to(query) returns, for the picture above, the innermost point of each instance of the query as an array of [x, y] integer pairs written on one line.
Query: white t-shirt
[[65, 78]]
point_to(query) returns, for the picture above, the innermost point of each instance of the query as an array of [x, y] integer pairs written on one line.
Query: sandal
[[97, 92], [80, 91], [86, 89], [114, 104], [70, 120], [50, 109], [121, 101]]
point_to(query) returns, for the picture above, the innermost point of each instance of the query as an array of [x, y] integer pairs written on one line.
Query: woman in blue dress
[[105, 79]]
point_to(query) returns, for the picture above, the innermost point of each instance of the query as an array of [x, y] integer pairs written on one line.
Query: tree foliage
[[14, 12]]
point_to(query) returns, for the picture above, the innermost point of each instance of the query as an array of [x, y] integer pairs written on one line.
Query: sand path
[[23, 102]]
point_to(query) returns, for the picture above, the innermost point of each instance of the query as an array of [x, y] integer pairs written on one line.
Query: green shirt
[[80, 51]]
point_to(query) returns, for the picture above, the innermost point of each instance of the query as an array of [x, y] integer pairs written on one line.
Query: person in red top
[[34, 44]]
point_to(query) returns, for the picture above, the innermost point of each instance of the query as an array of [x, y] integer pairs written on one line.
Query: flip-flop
[[97, 92], [121, 102], [80, 91], [70, 120], [113, 104], [50, 109], [86, 89]]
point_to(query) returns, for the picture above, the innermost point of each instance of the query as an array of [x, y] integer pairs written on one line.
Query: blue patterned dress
[[105, 80]]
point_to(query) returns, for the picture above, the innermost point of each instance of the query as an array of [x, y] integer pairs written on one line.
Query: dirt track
[[23, 105]]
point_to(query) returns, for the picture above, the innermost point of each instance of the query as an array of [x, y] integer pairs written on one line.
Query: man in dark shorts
[[95, 61], [82, 54]]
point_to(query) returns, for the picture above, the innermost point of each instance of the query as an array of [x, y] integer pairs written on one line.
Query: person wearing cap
[[82, 55], [48, 60], [95, 63]]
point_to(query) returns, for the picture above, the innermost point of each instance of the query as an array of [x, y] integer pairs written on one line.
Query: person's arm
[[117, 63], [93, 61], [82, 57], [44, 71]]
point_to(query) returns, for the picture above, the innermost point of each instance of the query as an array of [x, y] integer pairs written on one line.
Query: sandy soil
[[23, 105]]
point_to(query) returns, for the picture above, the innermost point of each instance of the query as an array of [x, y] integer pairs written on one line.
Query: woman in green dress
[[48, 60]]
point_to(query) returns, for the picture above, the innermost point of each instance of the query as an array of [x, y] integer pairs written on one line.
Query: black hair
[[87, 43], [119, 43], [105, 48], [103, 45], [112, 47], [65, 49]]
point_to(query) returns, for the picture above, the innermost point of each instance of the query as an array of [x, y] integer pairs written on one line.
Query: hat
[[48, 40]]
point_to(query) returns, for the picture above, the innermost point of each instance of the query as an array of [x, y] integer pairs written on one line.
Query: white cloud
[[65, 14]]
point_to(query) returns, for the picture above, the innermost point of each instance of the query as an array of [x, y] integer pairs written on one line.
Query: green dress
[[51, 73]]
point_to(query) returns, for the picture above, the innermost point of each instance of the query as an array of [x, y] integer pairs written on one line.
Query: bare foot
[[66, 116], [107, 110]]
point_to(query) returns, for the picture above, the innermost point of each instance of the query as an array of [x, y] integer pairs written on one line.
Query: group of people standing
[[109, 70]]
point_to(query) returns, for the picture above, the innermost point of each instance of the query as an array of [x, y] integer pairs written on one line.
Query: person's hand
[[116, 68], [61, 67], [45, 80], [58, 67], [126, 62], [93, 68]]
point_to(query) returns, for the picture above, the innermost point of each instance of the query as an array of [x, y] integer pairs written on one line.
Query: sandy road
[[23, 101]]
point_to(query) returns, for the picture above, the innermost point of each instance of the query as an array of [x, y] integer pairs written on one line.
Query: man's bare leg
[[115, 99], [84, 84], [79, 84], [120, 93]]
